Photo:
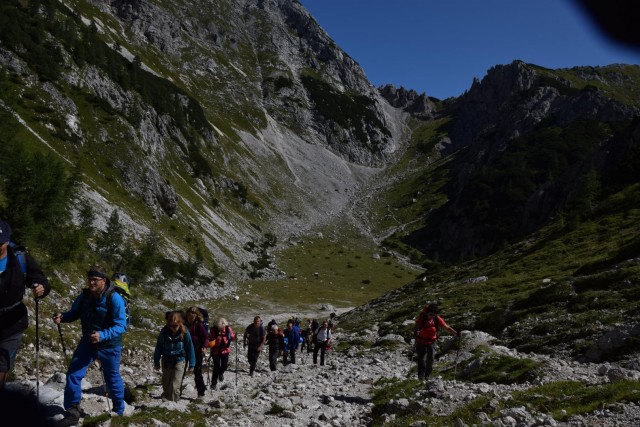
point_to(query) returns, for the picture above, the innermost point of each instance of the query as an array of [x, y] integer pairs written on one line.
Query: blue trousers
[[84, 355]]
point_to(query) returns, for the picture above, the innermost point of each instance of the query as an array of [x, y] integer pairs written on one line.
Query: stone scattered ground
[[339, 393]]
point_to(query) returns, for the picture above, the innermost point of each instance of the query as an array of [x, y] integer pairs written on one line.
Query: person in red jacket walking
[[426, 333], [220, 338]]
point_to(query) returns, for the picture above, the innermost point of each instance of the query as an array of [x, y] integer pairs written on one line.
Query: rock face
[[204, 112], [409, 101], [515, 121]]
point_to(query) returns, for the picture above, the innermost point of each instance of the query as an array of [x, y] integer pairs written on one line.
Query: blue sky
[[438, 47]]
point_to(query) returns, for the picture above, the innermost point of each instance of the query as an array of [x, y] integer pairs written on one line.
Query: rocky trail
[[337, 394]]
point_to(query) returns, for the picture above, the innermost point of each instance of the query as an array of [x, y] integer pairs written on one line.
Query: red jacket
[[220, 341], [428, 329]]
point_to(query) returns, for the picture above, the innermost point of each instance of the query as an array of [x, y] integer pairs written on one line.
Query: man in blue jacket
[[17, 271], [102, 315]]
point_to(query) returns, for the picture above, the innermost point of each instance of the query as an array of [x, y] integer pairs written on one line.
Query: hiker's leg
[[197, 372], [316, 348], [80, 361], [224, 363], [178, 372], [110, 359], [216, 369], [431, 352], [293, 355], [323, 350], [8, 349], [167, 380], [273, 358], [421, 351]]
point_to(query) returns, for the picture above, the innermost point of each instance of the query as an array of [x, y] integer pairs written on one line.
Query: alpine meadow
[[227, 154]]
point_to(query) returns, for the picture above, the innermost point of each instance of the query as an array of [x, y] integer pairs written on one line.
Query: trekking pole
[[64, 349], [236, 362], [37, 351], [208, 370], [104, 382]]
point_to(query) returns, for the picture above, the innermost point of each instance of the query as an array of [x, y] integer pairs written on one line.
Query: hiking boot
[[221, 377], [71, 418]]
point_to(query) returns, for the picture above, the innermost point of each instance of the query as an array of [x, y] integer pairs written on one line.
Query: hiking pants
[[252, 355], [8, 349], [291, 353], [425, 351], [172, 380], [220, 363], [273, 358], [322, 347], [197, 372], [82, 358]]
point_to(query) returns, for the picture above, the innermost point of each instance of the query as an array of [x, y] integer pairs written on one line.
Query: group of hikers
[[183, 342], [181, 345]]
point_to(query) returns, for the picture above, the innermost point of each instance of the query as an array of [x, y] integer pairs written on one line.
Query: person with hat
[[18, 270], [102, 315], [425, 331]]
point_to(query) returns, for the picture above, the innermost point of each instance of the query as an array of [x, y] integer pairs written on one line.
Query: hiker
[[200, 339], [275, 341], [175, 347], [102, 315], [220, 338], [425, 331], [17, 271], [323, 336], [314, 327], [291, 344], [254, 335]]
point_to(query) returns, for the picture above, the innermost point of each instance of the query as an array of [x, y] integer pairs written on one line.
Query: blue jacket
[[169, 346], [291, 339], [93, 316]]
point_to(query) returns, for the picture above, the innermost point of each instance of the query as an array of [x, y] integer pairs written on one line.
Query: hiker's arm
[[119, 319], [73, 313], [35, 278], [158, 352], [447, 327]]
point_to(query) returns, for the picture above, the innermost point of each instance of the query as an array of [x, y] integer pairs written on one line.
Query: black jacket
[[13, 312]]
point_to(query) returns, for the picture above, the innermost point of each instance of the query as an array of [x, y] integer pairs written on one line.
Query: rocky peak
[[418, 105]]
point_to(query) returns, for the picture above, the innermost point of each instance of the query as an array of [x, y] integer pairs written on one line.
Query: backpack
[[205, 319], [121, 285], [20, 251]]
